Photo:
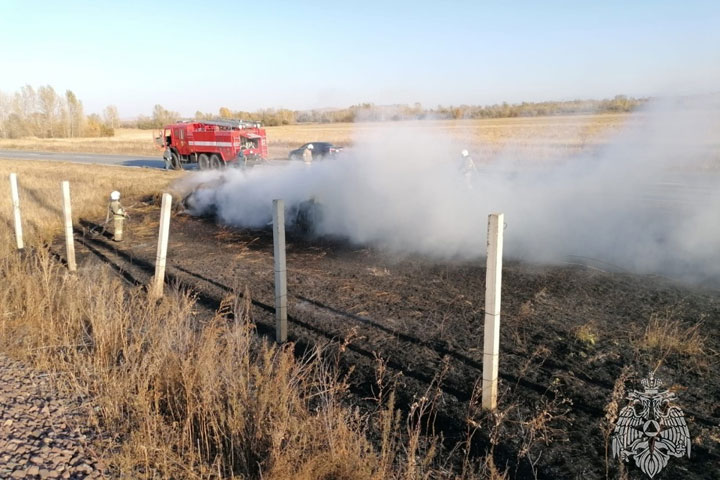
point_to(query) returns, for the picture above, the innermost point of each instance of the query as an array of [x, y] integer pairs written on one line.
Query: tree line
[[368, 112], [45, 113]]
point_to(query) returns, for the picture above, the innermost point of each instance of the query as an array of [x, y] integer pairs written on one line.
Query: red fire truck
[[214, 143]]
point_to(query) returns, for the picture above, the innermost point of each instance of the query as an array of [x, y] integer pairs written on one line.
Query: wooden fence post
[[493, 282], [69, 240], [163, 235], [16, 210], [280, 271]]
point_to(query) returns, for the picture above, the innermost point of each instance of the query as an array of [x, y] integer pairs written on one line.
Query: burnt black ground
[[421, 315]]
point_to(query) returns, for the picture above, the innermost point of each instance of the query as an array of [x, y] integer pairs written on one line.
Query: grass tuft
[[666, 333]]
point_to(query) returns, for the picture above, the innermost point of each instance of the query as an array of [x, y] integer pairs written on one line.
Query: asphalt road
[[93, 158], [104, 159]]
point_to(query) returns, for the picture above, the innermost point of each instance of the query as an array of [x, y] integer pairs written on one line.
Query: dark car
[[319, 150]]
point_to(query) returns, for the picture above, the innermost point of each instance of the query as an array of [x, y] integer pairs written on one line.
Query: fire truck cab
[[214, 144]]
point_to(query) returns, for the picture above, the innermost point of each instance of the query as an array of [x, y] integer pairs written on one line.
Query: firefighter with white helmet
[[308, 154], [167, 156], [119, 215], [467, 167]]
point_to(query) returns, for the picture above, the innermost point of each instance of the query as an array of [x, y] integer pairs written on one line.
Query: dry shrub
[[587, 334], [526, 310]]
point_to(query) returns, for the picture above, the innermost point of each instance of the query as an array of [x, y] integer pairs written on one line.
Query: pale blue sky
[[201, 55]]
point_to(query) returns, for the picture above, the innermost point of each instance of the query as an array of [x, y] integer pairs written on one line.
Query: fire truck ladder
[[231, 123]]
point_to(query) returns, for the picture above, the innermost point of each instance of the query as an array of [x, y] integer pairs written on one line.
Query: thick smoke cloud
[[647, 201]]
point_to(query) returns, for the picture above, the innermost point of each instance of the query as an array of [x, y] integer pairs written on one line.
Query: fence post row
[[16, 210], [491, 337], [280, 271], [69, 240], [163, 235], [493, 279]]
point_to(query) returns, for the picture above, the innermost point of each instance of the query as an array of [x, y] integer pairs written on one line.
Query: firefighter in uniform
[[167, 156], [467, 168], [307, 155], [119, 215]]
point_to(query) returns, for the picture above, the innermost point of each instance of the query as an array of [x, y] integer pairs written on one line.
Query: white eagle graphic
[[650, 429]]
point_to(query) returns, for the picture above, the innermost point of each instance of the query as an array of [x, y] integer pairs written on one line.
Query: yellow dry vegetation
[[667, 334], [545, 135], [39, 185], [127, 141], [561, 130]]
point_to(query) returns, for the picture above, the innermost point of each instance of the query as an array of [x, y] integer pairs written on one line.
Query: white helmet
[[310, 147], [464, 153], [115, 195]]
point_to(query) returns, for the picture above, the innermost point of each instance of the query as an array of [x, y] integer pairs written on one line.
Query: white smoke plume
[[647, 201]]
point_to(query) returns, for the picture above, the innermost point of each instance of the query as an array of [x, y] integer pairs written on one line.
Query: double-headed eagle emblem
[[650, 429]]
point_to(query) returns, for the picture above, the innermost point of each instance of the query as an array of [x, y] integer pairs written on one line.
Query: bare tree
[[64, 118], [75, 113], [162, 117], [110, 116], [48, 103], [24, 109], [5, 111]]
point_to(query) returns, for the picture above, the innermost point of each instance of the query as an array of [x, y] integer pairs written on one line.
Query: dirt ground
[[567, 334]]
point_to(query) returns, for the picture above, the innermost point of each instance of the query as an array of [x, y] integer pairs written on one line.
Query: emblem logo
[[650, 429]]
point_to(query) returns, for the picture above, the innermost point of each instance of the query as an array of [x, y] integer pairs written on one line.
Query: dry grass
[[184, 402], [667, 334], [90, 186], [574, 130], [544, 135], [127, 141], [587, 334]]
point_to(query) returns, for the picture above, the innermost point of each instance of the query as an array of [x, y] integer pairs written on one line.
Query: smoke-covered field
[[648, 200], [568, 333]]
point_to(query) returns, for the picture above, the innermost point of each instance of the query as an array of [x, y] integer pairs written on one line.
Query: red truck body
[[213, 144]]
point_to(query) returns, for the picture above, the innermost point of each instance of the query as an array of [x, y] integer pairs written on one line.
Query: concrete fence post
[[69, 240], [163, 235], [280, 271], [493, 282], [16, 210]]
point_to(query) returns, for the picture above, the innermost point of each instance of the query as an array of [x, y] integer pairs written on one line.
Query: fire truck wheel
[[176, 161], [203, 161], [215, 161]]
